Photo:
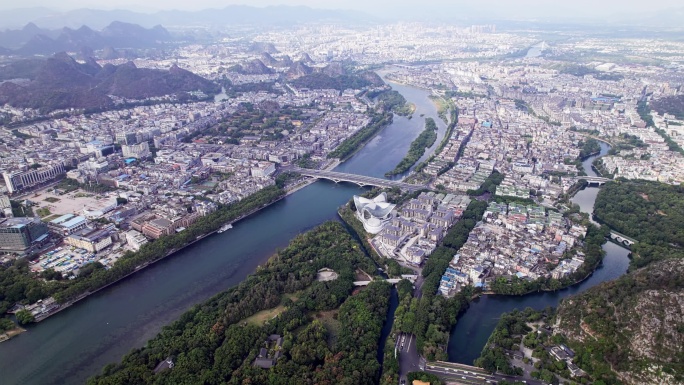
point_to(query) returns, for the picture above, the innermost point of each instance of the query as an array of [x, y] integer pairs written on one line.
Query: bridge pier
[[360, 180]]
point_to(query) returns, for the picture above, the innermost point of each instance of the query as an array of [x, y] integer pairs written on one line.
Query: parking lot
[[63, 260]]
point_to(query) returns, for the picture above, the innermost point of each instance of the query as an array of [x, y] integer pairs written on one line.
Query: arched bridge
[[361, 180], [622, 238]]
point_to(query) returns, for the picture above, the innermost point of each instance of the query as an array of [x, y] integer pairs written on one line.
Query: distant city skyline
[[442, 8]]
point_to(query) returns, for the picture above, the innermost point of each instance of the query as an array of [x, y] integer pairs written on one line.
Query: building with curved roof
[[373, 213]]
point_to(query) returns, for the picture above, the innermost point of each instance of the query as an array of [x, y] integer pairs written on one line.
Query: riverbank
[[70, 296], [443, 107], [11, 333], [358, 140], [308, 181], [347, 217], [83, 296]]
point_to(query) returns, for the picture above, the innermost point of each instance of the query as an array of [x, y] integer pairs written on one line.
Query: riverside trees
[[418, 146], [212, 344], [651, 212]]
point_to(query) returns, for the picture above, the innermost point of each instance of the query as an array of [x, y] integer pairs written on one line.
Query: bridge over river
[[622, 239], [594, 179], [361, 180], [393, 281]]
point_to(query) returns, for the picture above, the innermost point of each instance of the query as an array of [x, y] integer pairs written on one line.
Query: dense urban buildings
[[151, 149]]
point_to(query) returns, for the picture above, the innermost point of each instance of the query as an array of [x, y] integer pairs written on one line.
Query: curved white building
[[373, 213]]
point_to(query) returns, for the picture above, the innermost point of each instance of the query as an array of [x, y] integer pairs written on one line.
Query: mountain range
[[61, 82], [32, 40], [233, 14], [660, 19]]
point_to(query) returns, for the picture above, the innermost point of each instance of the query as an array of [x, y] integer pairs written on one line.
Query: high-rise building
[[18, 234], [23, 180]]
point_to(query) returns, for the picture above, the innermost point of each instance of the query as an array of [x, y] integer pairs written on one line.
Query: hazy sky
[[516, 8]]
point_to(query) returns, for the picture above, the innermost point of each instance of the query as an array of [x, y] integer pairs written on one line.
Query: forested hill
[[651, 212], [630, 330], [329, 336], [60, 82], [670, 105]]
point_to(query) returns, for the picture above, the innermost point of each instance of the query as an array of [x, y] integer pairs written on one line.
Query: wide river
[[76, 343], [471, 332]]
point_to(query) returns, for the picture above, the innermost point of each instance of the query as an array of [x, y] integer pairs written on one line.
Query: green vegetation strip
[[418, 146], [392, 100], [353, 143]]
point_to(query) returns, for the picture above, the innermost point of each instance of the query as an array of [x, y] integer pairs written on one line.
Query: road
[[464, 374], [409, 359], [418, 286]]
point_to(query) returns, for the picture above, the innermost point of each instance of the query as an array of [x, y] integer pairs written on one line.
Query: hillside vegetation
[[651, 212], [630, 330], [60, 83], [670, 105]]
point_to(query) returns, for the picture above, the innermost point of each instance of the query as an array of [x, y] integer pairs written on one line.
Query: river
[[535, 50], [76, 343], [471, 332], [397, 138]]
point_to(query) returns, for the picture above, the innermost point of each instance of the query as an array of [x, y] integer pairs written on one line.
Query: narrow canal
[[76, 343], [471, 332]]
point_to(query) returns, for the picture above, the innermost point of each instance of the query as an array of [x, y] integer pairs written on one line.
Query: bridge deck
[[613, 232], [361, 180]]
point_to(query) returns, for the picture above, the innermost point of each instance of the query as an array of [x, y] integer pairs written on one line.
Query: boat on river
[[224, 228]]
